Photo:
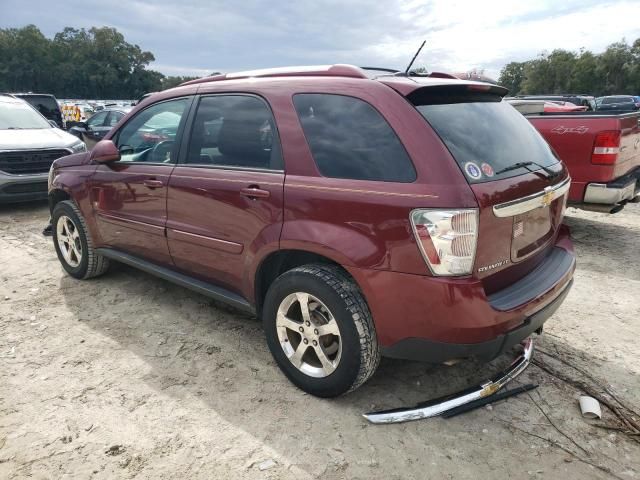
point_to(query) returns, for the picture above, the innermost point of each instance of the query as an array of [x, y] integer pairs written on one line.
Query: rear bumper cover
[[421, 349], [433, 319], [617, 191]]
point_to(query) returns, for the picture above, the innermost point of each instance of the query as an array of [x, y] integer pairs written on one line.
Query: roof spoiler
[[461, 91]]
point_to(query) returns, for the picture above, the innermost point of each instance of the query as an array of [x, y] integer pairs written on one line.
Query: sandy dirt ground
[[128, 376]]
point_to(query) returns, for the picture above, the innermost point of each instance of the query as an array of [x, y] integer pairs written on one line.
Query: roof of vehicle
[[32, 94], [556, 95], [9, 98], [617, 96], [116, 108], [398, 81]]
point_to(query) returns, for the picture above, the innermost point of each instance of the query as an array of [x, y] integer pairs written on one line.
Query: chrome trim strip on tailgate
[[531, 202]]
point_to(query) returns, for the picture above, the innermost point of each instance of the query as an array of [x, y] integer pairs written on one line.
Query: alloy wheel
[[69, 241], [309, 334]]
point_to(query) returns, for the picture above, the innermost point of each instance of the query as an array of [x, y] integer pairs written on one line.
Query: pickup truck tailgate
[[574, 137]]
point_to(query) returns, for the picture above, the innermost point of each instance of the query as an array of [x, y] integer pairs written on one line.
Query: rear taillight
[[447, 239], [606, 148]]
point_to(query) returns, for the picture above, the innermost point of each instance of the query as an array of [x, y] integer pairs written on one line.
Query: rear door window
[[485, 135], [234, 131], [610, 100], [350, 139]]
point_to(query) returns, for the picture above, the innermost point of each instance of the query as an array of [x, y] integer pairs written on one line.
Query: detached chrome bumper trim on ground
[[531, 202], [435, 407]]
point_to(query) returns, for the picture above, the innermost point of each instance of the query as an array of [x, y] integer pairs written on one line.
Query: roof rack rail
[[338, 70], [381, 69]]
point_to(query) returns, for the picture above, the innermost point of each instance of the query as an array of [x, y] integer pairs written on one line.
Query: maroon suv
[[412, 217]]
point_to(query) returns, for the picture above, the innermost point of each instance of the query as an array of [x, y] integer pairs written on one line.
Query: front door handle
[[254, 192], [151, 183]]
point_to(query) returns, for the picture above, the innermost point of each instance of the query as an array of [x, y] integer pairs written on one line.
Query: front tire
[[73, 243], [320, 331]]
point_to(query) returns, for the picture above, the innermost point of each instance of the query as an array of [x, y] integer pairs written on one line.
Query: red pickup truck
[[602, 153]]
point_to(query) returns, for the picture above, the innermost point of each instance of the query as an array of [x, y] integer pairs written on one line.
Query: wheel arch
[[280, 261], [56, 196]]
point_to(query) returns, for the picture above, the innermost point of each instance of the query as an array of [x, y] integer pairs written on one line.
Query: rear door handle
[[151, 183], [255, 192]]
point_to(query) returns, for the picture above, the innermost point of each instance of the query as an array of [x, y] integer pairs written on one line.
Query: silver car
[[28, 146]]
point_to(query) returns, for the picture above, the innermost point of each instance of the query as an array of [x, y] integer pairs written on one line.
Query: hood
[[74, 160], [35, 138]]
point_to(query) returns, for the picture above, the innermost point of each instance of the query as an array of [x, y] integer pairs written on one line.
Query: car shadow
[[23, 207], [604, 247], [195, 348]]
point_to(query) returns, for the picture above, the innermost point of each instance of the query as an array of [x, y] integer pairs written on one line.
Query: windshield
[[164, 120], [485, 135], [17, 115]]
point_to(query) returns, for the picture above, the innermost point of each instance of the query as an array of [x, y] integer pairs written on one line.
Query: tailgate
[[629, 156], [514, 233], [574, 137], [520, 185]]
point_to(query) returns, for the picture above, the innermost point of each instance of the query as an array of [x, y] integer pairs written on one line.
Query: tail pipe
[[596, 207], [438, 406]]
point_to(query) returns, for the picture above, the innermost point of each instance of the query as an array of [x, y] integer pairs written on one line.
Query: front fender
[[74, 181]]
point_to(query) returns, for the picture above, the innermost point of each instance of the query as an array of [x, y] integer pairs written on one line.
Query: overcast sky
[[193, 37]]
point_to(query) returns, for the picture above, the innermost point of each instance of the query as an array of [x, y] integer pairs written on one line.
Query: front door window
[[150, 136]]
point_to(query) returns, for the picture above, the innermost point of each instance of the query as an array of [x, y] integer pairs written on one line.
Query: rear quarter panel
[[365, 223]]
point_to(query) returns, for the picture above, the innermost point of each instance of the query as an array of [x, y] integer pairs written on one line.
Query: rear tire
[[73, 243], [331, 350]]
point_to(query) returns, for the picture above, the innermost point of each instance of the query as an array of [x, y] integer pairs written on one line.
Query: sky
[[196, 37]]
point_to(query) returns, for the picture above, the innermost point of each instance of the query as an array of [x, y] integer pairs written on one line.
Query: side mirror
[[80, 127], [105, 151]]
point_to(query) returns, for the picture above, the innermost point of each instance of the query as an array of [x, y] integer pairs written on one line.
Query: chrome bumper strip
[[531, 202], [607, 195], [435, 407]]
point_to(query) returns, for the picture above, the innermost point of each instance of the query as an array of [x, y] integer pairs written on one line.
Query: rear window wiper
[[518, 165]]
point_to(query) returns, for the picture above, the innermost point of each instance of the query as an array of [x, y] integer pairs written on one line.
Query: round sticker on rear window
[[487, 169], [472, 170]]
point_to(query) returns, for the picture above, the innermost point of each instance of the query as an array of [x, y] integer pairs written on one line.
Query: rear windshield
[[485, 135], [44, 103]]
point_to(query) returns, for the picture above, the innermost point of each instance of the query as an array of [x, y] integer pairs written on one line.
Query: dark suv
[[46, 104], [418, 218]]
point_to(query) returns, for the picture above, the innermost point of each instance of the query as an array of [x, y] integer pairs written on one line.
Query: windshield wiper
[[518, 165]]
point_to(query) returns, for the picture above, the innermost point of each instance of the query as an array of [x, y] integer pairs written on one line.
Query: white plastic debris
[[266, 465], [590, 407]]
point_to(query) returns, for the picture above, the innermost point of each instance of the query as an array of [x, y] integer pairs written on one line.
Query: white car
[[28, 146]]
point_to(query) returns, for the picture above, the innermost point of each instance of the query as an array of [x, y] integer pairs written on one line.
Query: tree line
[[614, 71], [99, 63], [78, 63]]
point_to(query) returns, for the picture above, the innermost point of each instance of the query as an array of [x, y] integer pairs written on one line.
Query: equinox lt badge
[[492, 266]]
